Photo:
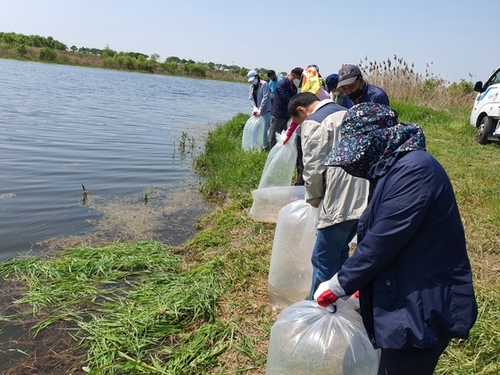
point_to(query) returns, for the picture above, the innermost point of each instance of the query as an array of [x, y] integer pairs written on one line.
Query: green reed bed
[[131, 307]]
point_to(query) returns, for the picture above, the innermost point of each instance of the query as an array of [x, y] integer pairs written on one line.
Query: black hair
[[304, 99], [297, 71], [270, 73]]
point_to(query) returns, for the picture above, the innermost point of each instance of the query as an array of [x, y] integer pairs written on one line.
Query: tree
[[173, 59], [48, 54]]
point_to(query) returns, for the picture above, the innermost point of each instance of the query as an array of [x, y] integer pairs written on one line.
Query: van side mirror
[[478, 87]]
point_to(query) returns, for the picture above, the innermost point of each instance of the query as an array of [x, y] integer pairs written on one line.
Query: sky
[[451, 39]]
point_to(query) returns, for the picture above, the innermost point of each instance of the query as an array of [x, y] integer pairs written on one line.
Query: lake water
[[120, 134]]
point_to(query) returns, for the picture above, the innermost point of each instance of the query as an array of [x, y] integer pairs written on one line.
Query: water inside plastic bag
[[268, 202], [290, 270], [253, 134], [280, 163], [307, 339]]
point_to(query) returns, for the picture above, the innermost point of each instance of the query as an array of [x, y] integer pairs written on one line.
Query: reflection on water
[[116, 134]]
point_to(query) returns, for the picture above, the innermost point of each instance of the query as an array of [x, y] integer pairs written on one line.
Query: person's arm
[[283, 90], [265, 95], [382, 98], [250, 98]]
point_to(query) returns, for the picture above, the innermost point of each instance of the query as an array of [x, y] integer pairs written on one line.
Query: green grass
[[203, 308]]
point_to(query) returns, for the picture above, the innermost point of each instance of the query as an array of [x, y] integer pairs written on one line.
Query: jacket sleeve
[[398, 215], [265, 95], [382, 98], [314, 138], [250, 98]]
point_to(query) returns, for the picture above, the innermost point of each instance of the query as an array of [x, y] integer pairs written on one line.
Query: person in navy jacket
[[410, 266], [285, 90], [356, 89]]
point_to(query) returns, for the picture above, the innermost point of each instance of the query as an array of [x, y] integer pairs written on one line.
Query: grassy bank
[[202, 308]]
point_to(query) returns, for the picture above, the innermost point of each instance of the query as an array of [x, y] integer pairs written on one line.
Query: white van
[[486, 110]]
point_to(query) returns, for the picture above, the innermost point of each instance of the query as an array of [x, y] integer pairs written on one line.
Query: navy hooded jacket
[[411, 265]]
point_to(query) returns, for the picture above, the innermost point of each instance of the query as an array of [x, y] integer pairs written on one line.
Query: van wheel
[[484, 129]]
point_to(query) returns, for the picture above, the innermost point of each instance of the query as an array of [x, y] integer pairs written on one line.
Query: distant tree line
[[49, 49], [15, 40]]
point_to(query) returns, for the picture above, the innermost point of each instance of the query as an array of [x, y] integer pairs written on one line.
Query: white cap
[[251, 75]]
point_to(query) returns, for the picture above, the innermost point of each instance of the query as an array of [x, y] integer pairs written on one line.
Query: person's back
[[343, 196]]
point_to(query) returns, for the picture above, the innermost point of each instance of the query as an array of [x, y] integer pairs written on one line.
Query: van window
[[494, 79]]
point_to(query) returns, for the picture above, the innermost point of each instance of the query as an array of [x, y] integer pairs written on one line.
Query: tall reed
[[404, 83]]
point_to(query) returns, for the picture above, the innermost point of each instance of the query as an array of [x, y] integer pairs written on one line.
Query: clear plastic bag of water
[[290, 270], [253, 134], [268, 202], [280, 163], [307, 339]]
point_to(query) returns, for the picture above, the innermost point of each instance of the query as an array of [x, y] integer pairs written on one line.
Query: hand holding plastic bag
[[256, 111], [325, 297]]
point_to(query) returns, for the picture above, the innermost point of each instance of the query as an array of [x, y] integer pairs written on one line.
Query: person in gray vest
[[340, 197]]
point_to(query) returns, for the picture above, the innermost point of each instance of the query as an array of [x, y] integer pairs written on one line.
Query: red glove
[[324, 296], [290, 130]]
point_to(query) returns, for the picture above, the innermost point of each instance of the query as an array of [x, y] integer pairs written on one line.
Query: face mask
[[296, 82], [255, 81], [356, 94]]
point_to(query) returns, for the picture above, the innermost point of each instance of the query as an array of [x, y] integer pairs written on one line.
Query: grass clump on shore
[[131, 308], [203, 308]]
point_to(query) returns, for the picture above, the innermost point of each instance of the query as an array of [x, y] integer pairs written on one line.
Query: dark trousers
[[277, 126], [410, 362], [300, 162]]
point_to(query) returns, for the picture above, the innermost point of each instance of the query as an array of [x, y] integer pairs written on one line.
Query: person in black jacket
[[285, 89]]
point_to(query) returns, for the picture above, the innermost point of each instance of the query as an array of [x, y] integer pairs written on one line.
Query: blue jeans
[[330, 251]]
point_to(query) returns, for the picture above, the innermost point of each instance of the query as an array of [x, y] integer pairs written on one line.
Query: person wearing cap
[[336, 94], [340, 196], [410, 266], [260, 101], [285, 89], [273, 82], [356, 89]]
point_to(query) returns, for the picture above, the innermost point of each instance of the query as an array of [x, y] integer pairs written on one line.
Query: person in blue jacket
[[356, 89], [260, 101], [273, 82], [410, 266]]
